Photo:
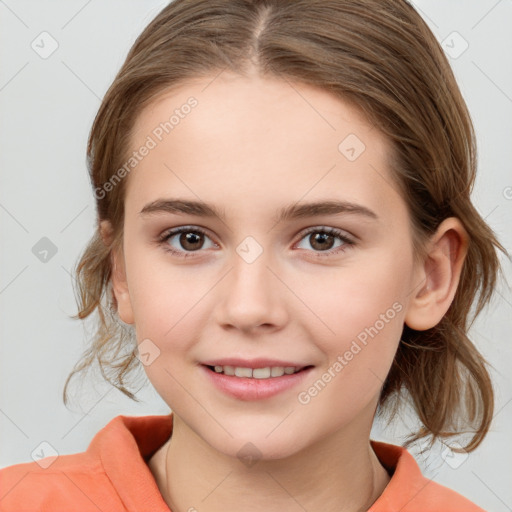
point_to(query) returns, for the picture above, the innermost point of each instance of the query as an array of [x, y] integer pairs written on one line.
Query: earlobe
[[118, 276], [438, 276]]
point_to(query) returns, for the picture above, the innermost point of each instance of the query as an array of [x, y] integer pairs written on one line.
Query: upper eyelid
[[180, 229]]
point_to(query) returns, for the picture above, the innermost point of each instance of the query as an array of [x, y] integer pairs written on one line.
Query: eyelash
[[165, 237]]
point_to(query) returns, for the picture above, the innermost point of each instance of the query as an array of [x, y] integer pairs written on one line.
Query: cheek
[[166, 303], [350, 299], [364, 308], [164, 297], [367, 322]]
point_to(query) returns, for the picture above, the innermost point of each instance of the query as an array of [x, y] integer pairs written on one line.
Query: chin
[[266, 440]]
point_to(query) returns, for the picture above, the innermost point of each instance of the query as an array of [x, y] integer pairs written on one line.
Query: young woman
[[286, 243]]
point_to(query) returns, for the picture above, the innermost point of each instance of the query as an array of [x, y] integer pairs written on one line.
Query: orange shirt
[[113, 476]]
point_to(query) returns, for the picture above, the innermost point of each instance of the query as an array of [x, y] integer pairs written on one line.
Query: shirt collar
[[125, 447]]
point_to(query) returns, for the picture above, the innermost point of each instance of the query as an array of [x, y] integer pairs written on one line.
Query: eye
[[186, 240], [322, 240], [191, 239]]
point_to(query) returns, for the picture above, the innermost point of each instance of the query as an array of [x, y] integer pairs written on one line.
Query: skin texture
[[250, 147]]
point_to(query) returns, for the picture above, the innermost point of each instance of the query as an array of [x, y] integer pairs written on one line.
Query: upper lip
[[252, 363]]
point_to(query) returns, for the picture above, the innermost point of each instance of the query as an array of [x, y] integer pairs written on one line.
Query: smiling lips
[[256, 379], [255, 368]]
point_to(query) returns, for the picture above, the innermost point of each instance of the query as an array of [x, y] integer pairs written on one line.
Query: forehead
[[228, 135], [229, 102]]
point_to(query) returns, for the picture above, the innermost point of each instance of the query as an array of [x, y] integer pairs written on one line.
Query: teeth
[[229, 370], [261, 373], [256, 373], [243, 372], [276, 371]]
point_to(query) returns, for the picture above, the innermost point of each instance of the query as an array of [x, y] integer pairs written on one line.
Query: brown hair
[[380, 56]]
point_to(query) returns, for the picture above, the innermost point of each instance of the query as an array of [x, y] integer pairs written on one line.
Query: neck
[[341, 473]]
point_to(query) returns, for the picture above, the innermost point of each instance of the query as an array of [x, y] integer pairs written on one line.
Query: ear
[[438, 275], [118, 275]]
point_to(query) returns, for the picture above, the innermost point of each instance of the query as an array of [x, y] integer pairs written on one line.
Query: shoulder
[[409, 491], [112, 475], [76, 482]]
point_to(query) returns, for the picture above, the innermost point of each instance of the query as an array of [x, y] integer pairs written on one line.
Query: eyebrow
[[290, 212]]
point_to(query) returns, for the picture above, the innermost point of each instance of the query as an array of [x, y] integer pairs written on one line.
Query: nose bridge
[[251, 295]]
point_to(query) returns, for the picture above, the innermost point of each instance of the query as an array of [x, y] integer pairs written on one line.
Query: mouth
[[258, 383], [267, 372]]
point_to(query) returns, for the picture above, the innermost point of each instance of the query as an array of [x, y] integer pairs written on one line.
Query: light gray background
[[47, 108]]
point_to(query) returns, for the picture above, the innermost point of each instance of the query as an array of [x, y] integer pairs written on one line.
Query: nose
[[252, 297]]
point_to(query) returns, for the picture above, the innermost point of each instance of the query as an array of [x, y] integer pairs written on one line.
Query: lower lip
[[245, 388]]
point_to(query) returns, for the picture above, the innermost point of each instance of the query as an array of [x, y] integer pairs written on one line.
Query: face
[[253, 277]]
